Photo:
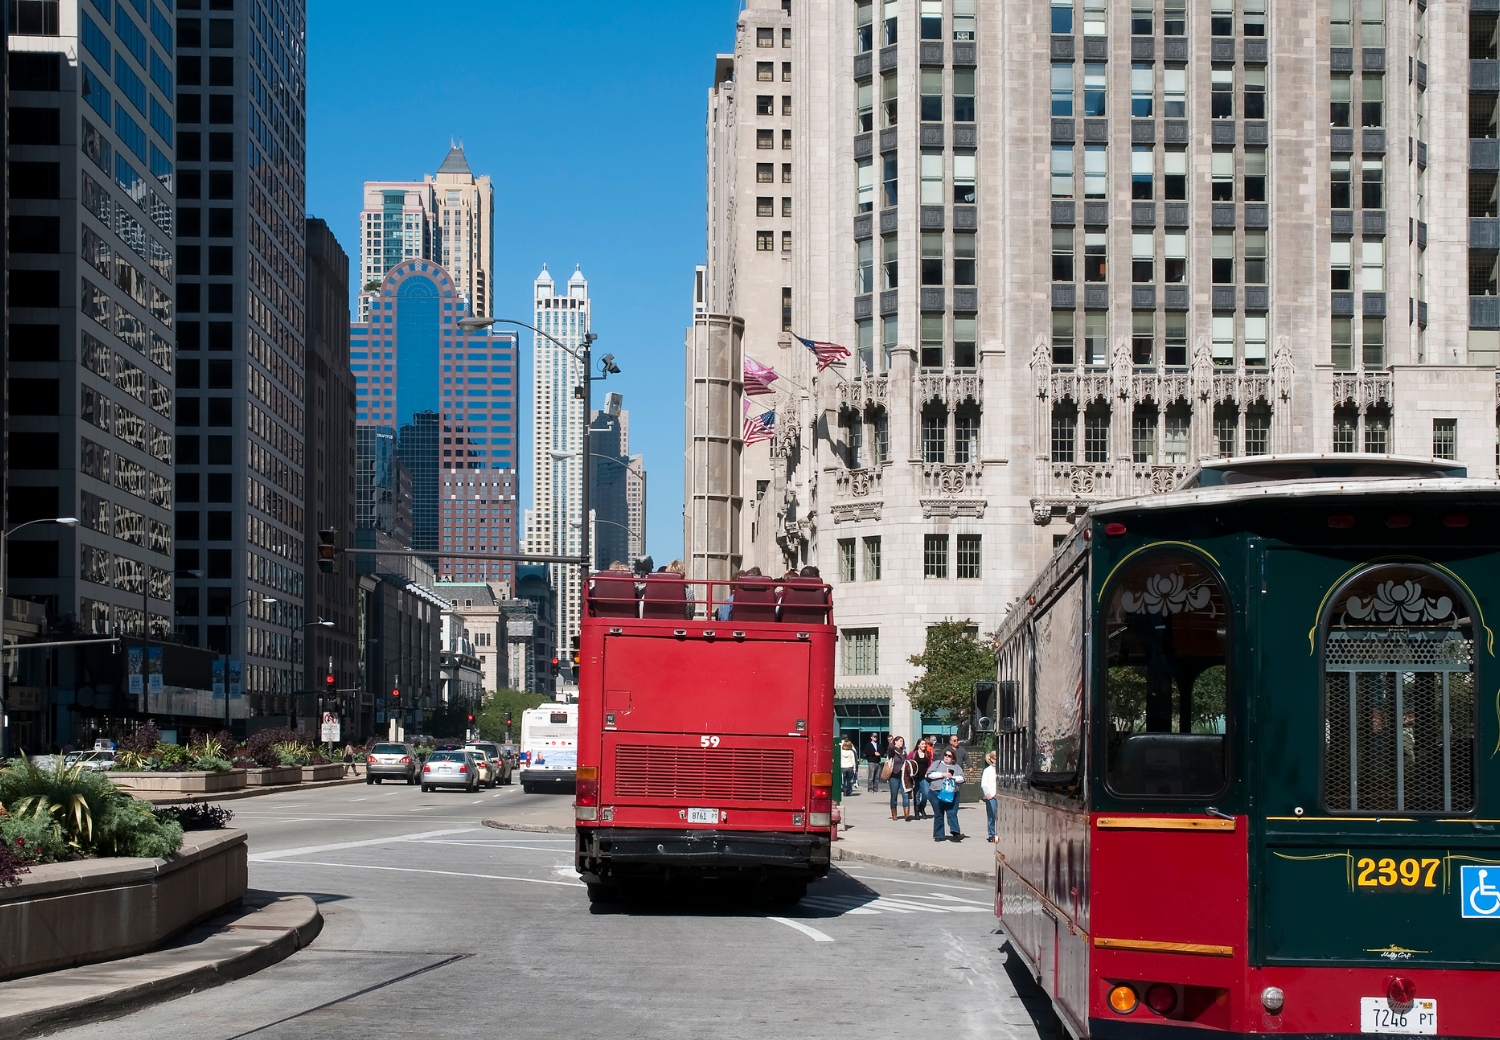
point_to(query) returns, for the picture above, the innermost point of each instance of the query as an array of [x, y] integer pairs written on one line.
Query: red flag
[[827, 353], [758, 378]]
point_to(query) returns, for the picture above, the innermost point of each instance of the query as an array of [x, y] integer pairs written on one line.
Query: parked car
[[91, 759], [451, 769], [503, 767], [392, 762]]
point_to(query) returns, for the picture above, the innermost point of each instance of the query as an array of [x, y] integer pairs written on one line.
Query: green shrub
[[33, 840], [84, 811]]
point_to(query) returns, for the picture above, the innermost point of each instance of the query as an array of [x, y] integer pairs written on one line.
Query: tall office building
[[241, 266], [609, 478], [412, 356], [448, 217], [331, 472], [1075, 247], [554, 523]]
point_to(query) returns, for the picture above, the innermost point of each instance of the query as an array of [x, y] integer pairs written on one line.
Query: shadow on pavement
[[256, 897], [682, 898], [1033, 998]]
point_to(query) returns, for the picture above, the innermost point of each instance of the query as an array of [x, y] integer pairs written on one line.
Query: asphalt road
[[437, 926]]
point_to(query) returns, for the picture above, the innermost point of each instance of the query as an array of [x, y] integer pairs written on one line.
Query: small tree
[[952, 662], [491, 719]]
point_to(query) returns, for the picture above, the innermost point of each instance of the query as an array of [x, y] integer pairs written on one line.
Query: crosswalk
[[926, 903]]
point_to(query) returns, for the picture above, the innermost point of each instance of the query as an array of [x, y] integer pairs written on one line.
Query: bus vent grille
[[711, 774]]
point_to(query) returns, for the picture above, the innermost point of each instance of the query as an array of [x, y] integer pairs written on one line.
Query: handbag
[[945, 791], [886, 770]]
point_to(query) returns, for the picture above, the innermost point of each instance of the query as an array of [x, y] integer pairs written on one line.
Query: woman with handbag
[[944, 778], [922, 756], [890, 772]]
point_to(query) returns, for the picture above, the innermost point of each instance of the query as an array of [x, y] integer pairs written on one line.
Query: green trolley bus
[[1249, 745]]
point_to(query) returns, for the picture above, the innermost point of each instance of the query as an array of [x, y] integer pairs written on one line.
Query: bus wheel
[[786, 893], [528, 789], [603, 892]]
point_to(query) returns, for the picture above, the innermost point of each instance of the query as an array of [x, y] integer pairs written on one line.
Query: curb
[[290, 935], [247, 792], [839, 853]]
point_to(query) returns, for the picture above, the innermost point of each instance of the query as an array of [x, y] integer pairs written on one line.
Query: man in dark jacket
[[872, 761]]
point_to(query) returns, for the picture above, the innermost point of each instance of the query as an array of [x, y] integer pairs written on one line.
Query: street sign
[[330, 728]]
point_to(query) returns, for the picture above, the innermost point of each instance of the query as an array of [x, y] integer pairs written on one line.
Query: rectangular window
[[1064, 431], [1372, 183], [1377, 432], [872, 558], [963, 19], [931, 186], [964, 173], [864, 106], [1226, 426], [932, 343], [765, 71], [864, 268], [888, 98], [1221, 100], [1255, 339], [1142, 337], [934, 437], [765, 206], [1255, 258], [1095, 260], [890, 336], [883, 424], [1222, 343], [889, 262], [1062, 339], [1345, 430], [932, 258], [1372, 23], [1255, 175], [1096, 434], [765, 241], [1062, 89], [1222, 171], [966, 438], [1174, 92], [1254, 21], [786, 241], [864, 184], [765, 105], [1142, 22], [1372, 101], [963, 95], [765, 37], [1372, 345], [888, 180], [935, 556], [1175, 340], [1094, 84], [965, 339], [1221, 18], [1095, 169], [1339, 192], [964, 258], [1175, 436], [1255, 92], [1062, 171], [1372, 265], [1143, 436], [1343, 345], [1174, 175], [846, 559], [864, 357], [1257, 432], [765, 139], [1223, 257], [968, 556], [765, 173], [1444, 439], [932, 19], [786, 173], [1094, 18], [864, 36], [1142, 170], [889, 23], [1340, 23], [1062, 254], [931, 97], [1340, 100], [1062, 17], [1174, 17], [861, 651], [1143, 256], [1142, 90], [1095, 338]]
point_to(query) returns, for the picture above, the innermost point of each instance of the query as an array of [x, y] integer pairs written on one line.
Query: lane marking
[[908, 881], [304, 850], [443, 873], [812, 933]]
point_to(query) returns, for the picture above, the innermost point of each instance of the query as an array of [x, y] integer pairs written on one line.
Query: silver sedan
[[451, 769]]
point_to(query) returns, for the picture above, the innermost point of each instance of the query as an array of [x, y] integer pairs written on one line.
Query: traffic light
[[575, 658], [555, 663], [328, 550], [509, 722], [330, 683], [471, 720], [396, 694]]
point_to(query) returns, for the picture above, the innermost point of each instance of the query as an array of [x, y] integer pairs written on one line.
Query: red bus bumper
[[620, 852]]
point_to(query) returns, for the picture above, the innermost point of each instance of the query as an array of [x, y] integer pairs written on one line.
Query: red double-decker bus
[[705, 735]]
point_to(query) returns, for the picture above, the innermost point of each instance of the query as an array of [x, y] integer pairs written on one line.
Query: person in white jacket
[[987, 792]]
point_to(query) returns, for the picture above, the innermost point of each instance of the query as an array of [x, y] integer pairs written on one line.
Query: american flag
[[758, 378], [760, 427], [827, 353]]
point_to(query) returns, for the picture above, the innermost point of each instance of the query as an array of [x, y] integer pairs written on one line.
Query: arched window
[[1166, 681], [1399, 708]]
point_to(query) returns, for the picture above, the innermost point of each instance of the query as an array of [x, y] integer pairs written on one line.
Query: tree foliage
[[952, 662], [498, 705]]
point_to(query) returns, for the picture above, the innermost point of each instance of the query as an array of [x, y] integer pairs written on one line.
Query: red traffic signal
[[554, 666], [329, 679], [396, 694], [471, 718]]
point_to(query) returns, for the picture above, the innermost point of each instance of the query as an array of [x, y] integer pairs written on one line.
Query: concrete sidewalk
[[226, 948], [168, 798]]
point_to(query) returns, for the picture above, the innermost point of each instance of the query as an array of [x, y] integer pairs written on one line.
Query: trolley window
[[1166, 680], [1399, 706], [1057, 640]]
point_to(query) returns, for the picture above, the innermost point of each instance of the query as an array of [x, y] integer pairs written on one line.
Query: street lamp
[[65, 521]]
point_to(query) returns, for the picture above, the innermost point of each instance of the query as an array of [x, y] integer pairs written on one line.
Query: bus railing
[[663, 596]]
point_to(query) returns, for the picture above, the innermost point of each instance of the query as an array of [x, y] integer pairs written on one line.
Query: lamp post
[[65, 521]]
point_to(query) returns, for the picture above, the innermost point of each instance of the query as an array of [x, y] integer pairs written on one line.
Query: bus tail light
[[1161, 998], [1114, 530], [586, 787], [1122, 999], [820, 800], [1400, 994]]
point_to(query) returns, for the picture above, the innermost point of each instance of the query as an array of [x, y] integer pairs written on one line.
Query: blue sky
[[588, 117]]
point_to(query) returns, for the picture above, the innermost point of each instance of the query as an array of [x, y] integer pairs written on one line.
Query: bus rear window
[[1166, 682]]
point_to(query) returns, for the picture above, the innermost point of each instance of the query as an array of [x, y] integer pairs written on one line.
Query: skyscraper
[[609, 469], [448, 217], [554, 524], [417, 445], [242, 96]]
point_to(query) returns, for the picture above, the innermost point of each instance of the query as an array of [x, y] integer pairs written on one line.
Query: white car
[[100, 760]]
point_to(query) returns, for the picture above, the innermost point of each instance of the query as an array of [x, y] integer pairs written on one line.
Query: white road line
[[443, 873], [305, 850], [812, 933], [908, 881]]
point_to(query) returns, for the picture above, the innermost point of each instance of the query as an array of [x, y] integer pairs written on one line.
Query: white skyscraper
[[554, 523]]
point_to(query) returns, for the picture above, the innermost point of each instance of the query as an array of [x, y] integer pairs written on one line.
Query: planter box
[[192, 782], [276, 775], [317, 774]]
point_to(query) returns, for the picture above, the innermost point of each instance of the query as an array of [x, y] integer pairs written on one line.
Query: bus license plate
[[703, 816], [1376, 1016]]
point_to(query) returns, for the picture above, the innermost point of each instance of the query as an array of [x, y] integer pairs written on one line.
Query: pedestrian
[[922, 756], [850, 764], [872, 756], [987, 791], [960, 753], [943, 779], [349, 766], [911, 780], [892, 772]]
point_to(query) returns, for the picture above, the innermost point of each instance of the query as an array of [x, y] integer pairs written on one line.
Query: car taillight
[[586, 785], [370, 760], [426, 769], [406, 760], [463, 769]]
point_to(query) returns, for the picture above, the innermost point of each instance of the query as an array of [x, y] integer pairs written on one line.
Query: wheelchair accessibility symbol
[[1481, 891]]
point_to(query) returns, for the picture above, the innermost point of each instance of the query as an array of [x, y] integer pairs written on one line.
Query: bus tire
[[528, 789], [786, 893], [603, 892]]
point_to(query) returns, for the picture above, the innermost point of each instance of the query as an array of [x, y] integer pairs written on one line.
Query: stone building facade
[[1074, 247]]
